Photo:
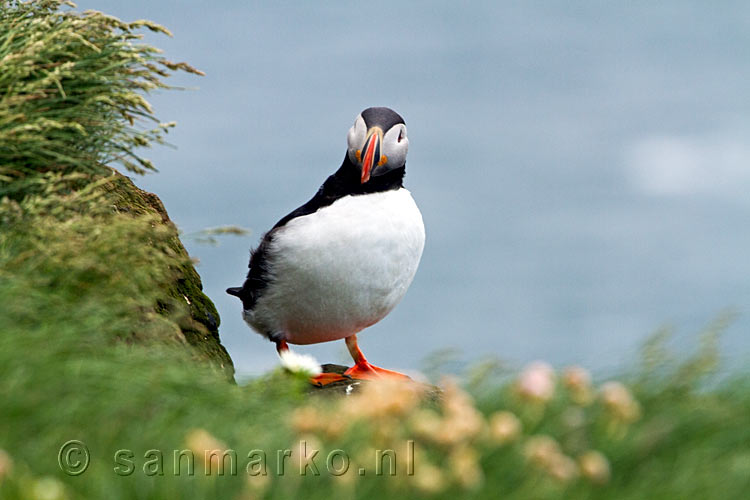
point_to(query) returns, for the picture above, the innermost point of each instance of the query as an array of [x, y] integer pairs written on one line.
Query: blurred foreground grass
[[667, 432], [90, 352]]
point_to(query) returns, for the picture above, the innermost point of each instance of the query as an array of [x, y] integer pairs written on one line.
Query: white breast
[[341, 269]]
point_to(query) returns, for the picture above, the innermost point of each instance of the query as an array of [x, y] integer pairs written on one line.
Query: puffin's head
[[377, 142]]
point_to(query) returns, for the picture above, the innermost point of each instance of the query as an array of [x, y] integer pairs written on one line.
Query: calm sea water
[[583, 172]]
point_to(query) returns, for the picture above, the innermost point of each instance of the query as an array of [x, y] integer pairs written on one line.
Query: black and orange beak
[[371, 156]]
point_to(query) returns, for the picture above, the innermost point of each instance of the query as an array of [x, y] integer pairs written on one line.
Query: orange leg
[[362, 369], [281, 345], [319, 380]]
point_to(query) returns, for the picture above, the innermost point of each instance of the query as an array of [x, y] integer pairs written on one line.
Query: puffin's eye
[[401, 135]]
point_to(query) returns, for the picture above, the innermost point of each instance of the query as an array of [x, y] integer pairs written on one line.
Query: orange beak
[[372, 154]]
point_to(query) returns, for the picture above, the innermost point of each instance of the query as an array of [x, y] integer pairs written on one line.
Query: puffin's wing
[[259, 274]]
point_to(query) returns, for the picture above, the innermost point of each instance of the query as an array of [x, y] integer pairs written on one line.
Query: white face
[[394, 145]]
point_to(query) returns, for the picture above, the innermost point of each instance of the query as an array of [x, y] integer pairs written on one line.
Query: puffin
[[342, 261]]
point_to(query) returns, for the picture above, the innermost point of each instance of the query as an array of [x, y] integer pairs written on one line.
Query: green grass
[[89, 352], [72, 92], [62, 379]]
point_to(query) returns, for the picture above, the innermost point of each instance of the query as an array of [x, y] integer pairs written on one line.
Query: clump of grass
[[72, 106], [72, 92], [582, 439], [210, 236]]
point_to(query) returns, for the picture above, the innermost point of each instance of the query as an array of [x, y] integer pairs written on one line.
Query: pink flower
[[537, 381]]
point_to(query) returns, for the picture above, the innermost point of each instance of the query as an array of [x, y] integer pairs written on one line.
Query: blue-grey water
[[583, 169]]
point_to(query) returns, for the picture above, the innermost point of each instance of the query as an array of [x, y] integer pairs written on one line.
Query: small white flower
[[300, 363], [595, 467], [620, 401], [504, 427], [350, 388]]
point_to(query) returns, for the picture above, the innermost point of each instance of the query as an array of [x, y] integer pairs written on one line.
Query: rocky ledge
[[201, 327]]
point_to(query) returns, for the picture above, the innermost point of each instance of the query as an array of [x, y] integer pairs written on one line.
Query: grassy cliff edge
[[72, 105]]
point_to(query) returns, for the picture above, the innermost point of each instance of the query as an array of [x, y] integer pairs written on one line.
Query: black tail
[[236, 291]]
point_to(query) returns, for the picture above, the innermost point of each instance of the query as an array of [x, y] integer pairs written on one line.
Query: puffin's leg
[[362, 369], [281, 345], [319, 380]]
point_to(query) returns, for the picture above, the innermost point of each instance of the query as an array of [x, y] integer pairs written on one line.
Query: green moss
[[200, 325]]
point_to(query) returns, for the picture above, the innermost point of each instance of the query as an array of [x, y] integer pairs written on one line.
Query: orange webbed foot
[[363, 370], [328, 378]]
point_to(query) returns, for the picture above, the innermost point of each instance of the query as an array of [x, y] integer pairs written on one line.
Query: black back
[[345, 181]]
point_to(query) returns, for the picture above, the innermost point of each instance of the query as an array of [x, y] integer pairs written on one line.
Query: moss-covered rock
[[201, 327], [72, 104]]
